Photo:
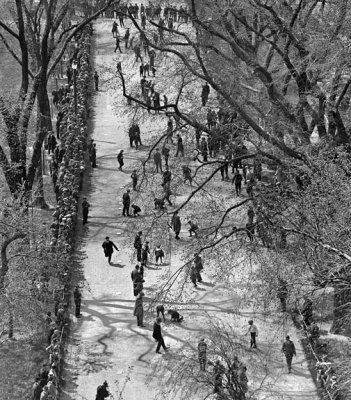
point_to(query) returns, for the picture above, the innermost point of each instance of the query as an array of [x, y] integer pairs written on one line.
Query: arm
[[114, 246]]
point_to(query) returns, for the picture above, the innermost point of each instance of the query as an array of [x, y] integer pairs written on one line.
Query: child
[[159, 254]]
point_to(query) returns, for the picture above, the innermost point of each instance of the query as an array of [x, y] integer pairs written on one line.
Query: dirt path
[[105, 343]]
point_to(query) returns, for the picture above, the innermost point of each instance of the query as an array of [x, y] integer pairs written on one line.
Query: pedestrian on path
[[102, 391], [237, 179], [138, 244], [253, 333], [165, 152], [176, 224], [204, 94], [93, 156], [135, 273], [134, 177], [193, 229], [145, 251], [126, 203], [193, 275], [114, 29], [167, 176], [159, 254], [85, 210], [108, 246], [77, 295], [139, 309], [198, 266], [157, 335], [289, 350], [137, 52], [202, 351], [118, 47], [126, 37], [180, 146], [120, 159], [96, 81], [158, 161]]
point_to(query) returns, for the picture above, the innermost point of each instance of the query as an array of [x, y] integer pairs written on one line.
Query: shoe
[[167, 348], [142, 326], [158, 352]]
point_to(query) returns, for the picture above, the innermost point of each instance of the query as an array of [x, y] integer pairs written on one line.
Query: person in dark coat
[[175, 316], [145, 251], [139, 309], [93, 156], [157, 335], [204, 94], [126, 203], [126, 37], [289, 350], [114, 29], [108, 246], [120, 160], [134, 177], [237, 179], [192, 229], [85, 210], [198, 266], [180, 146], [176, 224], [102, 391], [161, 310], [51, 142], [204, 149], [167, 176], [165, 152], [77, 300], [158, 161], [138, 244], [96, 81], [118, 47], [136, 210]]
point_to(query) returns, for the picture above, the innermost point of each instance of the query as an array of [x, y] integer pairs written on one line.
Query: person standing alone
[[108, 246], [289, 351], [157, 335], [253, 334], [85, 210]]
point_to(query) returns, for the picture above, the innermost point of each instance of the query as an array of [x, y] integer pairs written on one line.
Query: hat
[[158, 320], [250, 321], [105, 383], [107, 237]]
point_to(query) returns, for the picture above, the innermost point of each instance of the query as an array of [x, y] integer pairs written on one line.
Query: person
[[204, 94], [137, 52], [193, 275], [202, 352], [198, 266], [37, 388], [137, 279], [167, 194], [180, 146], [126, 37], [141, 70], [77, 300], [165, 152], [159, 203], [139, 309], [218, 371], [102, 391], [120, 159], [175, 316], [159, 254], [160, 310], [136, 210], [108, 246], [282, 292], [204, 149], [138, 244], [169, 130], [158, 161], [176, 225], [157, 335], [167, 176], [289, 350], [134, 177], [93, 156], [237, 179], [250, 231], [51, 142], [187, 174], [85, 210], [118, 41], [145, 251], [96, 80], [114, 29], [192, 229], [126, 203], [253, 334], [135, 273]]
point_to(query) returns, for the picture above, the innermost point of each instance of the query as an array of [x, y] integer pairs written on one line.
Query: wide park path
[[105, 343]]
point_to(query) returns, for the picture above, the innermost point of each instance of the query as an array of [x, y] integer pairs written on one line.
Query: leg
[[158, 346]]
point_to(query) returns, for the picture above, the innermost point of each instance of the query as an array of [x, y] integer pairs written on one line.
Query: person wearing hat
[[202, 350], [85, 210], [139, 309], [120, 159], [108, 246], [253, 333], [126, 203], [102, 391], [157, 335], [289, 350]]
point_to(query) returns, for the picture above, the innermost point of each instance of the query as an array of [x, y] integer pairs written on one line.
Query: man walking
[[202, 350], [102, 391], [176, 224], [138, 245], [158, 161], [134, 177], [157, 335], [118, 41], [253, 333], [289, 351], [180, 146], [126, 203], [77, 300], [108, 246], [204, 94], [85, 210]]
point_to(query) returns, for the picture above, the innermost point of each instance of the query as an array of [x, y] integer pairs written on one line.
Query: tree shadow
[[117, 265]]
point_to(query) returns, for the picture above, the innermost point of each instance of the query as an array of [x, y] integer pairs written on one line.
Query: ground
[[105, 342]]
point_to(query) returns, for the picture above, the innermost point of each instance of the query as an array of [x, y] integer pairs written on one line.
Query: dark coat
[[108, 247], [176, 223], [157, 334], [126, 199]]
